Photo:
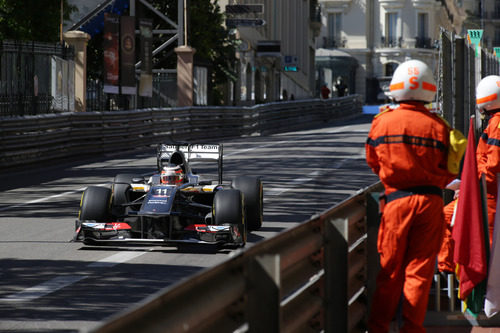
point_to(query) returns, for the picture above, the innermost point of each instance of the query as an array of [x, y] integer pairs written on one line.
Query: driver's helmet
[[172, 175]]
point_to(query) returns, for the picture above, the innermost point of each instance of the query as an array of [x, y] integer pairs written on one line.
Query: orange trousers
[[410, 235], [491, 202], [445, 255]]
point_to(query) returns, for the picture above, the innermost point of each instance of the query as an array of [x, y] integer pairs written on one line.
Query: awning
[[342, 63]]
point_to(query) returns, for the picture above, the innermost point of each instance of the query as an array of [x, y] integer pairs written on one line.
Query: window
[[334, 29], [423, 40], [391, 22], [422, 25], [390, 68], [497, 9]]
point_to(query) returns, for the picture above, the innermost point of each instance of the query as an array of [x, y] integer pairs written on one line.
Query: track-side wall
[[32, 139]]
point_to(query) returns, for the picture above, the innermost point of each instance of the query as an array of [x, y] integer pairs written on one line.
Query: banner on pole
[[474, 37], [111, 53], [127, 55], [146, 77], [496, 51]]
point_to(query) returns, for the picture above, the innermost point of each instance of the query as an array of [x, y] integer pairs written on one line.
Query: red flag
[[468, 230]]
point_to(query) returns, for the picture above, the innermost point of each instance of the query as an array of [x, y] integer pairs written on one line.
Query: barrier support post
[[373, 259], [336, 271], [263, 294]]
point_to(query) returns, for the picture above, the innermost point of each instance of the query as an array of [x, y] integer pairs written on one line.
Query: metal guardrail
[[316, 277], [309, 278], [33, 139]]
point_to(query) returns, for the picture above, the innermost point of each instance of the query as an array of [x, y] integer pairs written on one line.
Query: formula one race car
[[173, 206]]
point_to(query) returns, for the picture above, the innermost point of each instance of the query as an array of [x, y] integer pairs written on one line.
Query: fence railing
[[460, 71], [33, 139], [29, 80], [164, 95]]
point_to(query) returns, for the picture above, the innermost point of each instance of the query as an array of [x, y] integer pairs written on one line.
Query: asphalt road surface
[[49, 284]]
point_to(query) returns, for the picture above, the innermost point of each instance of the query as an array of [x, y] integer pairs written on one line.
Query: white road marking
[[47, 198], [255, 148], [40, 325], [43, 289], [61, 282], [116, 259], [299, 181]]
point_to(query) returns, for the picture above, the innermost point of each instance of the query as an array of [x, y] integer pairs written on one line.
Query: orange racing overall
[[408, 149], [445, 261], [488, 163]]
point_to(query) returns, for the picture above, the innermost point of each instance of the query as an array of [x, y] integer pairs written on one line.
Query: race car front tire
[[228, 208], [252, 190], [95, 204], [121, 184]]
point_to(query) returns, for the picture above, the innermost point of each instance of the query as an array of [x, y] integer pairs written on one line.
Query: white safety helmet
[[413, 81], [488, 93]]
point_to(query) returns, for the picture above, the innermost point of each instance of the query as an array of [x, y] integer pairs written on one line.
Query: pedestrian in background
[[285, 95], [325, 92], [409, 149], [341, 87]]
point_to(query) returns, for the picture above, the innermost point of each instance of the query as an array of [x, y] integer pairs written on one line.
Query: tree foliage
[[212, 43], [207, 35], [32, 20]]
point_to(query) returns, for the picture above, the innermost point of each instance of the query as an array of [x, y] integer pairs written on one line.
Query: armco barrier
[[316, 277], [309, 278], [33, 139]]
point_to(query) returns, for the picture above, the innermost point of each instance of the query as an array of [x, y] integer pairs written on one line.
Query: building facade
[[484, 14], [361, 42], [276, 58]]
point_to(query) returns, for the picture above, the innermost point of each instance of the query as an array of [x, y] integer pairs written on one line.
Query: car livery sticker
[[107, 226], [208, 228], [159, 200]]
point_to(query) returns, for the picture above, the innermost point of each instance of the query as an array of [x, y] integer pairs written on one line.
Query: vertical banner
[[146, 78], [496, 51], [474, 38], [127, 55], [111, 53]]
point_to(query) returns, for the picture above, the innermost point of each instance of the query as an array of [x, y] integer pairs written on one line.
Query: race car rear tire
[[121, 184], [252, 190], [228, 208], [95, 204]]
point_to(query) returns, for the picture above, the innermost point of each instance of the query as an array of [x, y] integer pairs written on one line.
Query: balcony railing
[[334, 43], [391, 42], [423, 43]]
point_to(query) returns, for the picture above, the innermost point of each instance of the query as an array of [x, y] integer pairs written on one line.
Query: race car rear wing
[[192, 152]]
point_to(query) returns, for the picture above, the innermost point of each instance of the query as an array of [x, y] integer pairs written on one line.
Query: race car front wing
[[108, 233]]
